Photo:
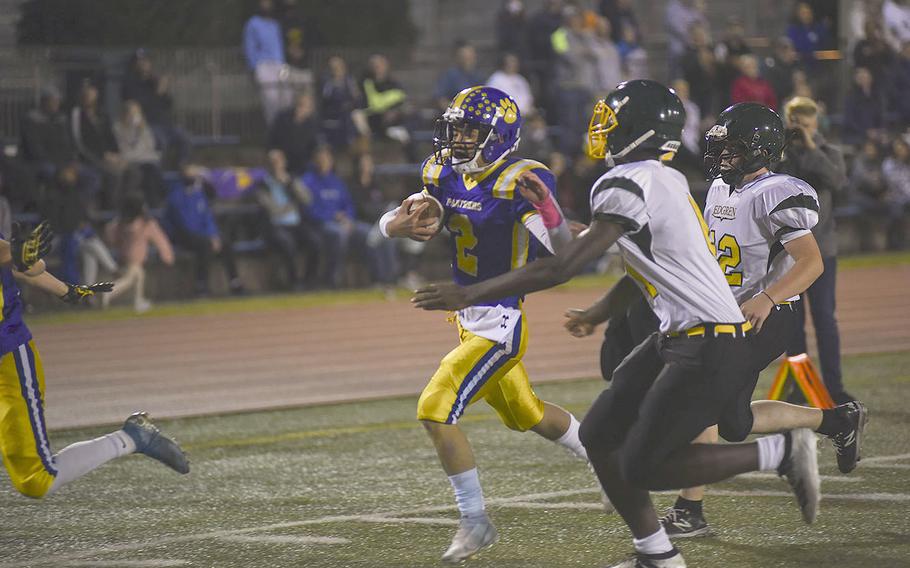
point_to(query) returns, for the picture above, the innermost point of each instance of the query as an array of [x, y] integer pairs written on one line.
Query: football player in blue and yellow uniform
[[32, 468], [498, 223]]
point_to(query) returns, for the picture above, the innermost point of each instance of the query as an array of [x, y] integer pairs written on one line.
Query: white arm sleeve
[[553, 239], [384, 221]]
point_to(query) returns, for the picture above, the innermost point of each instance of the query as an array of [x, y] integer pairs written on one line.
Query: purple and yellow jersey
[[13, 331], [485, 215]]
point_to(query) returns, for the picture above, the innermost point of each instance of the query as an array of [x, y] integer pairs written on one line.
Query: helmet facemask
[[605, 120], [730, 159], [460, 142]]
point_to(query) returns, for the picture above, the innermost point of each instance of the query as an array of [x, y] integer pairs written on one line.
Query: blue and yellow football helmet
[[481, 126]]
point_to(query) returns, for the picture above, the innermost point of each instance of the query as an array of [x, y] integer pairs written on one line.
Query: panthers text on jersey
[[486, 215], [665, 247], [750, 226]]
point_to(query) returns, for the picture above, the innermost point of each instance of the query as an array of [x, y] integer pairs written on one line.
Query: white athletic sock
[[770, 452], [468, 494], [75, 460], [570, 440], [657, 543]]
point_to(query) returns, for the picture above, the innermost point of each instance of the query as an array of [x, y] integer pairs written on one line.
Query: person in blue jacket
[[190, 223], [332, 209]]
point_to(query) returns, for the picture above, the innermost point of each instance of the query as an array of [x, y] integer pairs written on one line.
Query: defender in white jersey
[[760, 224], [691, 374]]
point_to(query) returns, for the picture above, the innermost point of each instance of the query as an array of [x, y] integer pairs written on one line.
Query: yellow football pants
[[23, 437], [482, 369]]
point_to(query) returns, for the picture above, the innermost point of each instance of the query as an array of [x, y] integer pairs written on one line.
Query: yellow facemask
[[603, 121]]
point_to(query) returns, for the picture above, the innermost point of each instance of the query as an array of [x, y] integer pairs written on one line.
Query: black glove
[[26, 252], [78, 293]]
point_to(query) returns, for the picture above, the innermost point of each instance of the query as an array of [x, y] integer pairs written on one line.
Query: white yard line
[[285, 539], [126, 563]]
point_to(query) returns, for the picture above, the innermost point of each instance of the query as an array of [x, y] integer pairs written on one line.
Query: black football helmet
[[748, 130], [637, 114]]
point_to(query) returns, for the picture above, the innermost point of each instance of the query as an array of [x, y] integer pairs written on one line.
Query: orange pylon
[[802, 370]]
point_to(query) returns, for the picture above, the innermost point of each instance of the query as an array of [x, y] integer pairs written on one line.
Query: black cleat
[[848, 440], [683, 523]]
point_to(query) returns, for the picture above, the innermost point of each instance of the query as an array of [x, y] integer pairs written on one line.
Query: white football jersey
[[750, 226], [665, 248]]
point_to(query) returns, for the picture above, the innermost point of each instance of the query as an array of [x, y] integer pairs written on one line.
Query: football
[[434, 211]]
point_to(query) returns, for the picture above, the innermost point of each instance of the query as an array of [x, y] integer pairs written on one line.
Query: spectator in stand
[[860, 12], [900, 85], [20, 186], [620, 14], [296, 133], [512, 28], [333, 210], [750, 86], [807, 35], [868, 192], [152, 92], [780, 67], [6, 211], [340, 97], [130, 234], [263, 46], [190, 223], [461, 75], [66, 210], [700, 70], [371, 202], [727, 52], [607, 61], [541, 64], [866, 109], [575, 66], [634, 57], [690, 155], [896, 19], [810, 157], [299, 37], [288, 233], [94, 140], [896, 172], [873, 52], [385, 103], [680, 16], [47, 144], [536, 143], [508, 79], [136, 145]]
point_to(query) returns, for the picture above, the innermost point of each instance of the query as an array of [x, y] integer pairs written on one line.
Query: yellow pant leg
[[23, 436], [515, 401], [465, 374]]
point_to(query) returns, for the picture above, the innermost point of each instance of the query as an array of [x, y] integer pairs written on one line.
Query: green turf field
[[359, 485]]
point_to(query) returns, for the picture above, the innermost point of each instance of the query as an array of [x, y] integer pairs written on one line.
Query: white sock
[[570, 440], [75, 460], [468, 494], [657, 543], [770, 452]]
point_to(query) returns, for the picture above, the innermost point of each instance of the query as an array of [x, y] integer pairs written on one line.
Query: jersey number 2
[[465, 241], [729, 258]]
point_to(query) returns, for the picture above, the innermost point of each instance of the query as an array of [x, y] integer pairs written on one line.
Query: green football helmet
[[750, 131], [637, 114]]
